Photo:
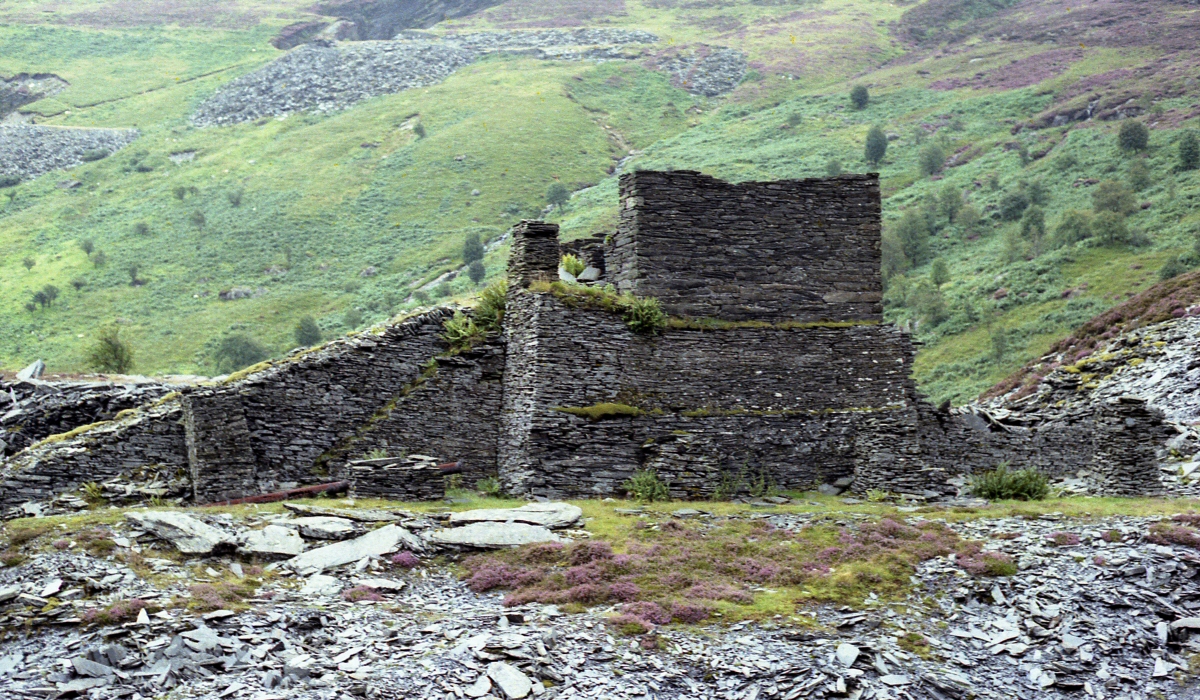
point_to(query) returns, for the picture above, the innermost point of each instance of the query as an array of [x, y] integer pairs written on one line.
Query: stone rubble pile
[[1156, 363], [325, 76], [1103, 614], [27, 150]]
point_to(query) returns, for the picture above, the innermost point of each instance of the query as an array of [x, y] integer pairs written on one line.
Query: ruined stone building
[[775, 369]]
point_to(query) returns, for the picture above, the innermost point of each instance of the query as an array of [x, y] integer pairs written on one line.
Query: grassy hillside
[[344, 216]]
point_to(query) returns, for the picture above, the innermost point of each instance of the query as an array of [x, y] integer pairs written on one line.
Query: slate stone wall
[[789, 250], [154, 435], [219, 447], [777, 403], [451, 415]]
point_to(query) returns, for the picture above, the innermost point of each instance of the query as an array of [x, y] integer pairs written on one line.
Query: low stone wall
[[33, 410], [153, 435]]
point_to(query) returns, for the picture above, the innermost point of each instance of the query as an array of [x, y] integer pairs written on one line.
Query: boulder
[[551, 515], [322, 527], [321, 585], [272, 540], [386, 539], [510, 679], [187, 534], [493, 535]]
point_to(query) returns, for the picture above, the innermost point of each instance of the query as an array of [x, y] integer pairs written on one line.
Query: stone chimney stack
[[535, 254]]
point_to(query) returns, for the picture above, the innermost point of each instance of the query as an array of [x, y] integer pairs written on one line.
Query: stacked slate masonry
[[776, 371]]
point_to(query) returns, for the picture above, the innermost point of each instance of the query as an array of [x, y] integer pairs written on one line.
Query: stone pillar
[[535, 253], [220, 450]]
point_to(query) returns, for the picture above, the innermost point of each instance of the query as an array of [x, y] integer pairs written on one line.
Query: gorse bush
[[645, 486], [109, 353], [573, 265], [1003, 484]]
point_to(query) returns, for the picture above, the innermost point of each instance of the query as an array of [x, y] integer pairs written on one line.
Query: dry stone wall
[[799, 250], [450, 414]]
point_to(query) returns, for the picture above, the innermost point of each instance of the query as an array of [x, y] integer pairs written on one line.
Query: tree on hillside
[[1013, 205], [472, 248], [198, 219], [939, 272], [1114, 196], [950, 201], [1110, 227], [1036, 191], [931, 159], [237, 351], [87, 246], [1133, 136], [476, 271], [859, 97], [1138, 175], [894, 260], [913, 232], [1033, 229], [45, 296], [134, 280], [876, 146], [1074, 226], [558, 195], [308, 333], [109, 353], [29, 262], [968, 218], [1189, 151]]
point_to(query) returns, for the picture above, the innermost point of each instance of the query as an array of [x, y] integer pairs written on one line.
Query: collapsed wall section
[[800, 250]]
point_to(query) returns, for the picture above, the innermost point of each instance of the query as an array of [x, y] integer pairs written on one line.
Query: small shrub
[[1111, 228], [352, 318], [234, 197], [99, 259], [198, 218], [489, 486], [307, 332], [1114, 196], [361, 593], [876, 146], [1133, 136], [645, 315], [406, 560], [9, 181], [1003, 484], [1064, 539], [1165, 533], [109, 353], [645, 486], [573, 265], [1112, 536], [78, 283], [1173, 267], [462, 333], [419, 130], [87, 246], [28, 262], [833, 168], [93, 154], [115, 614], [1066, 162], [1074, 226], [860, 97], [939, 272]]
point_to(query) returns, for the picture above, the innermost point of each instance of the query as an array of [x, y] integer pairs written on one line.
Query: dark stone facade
[[777, 372]]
